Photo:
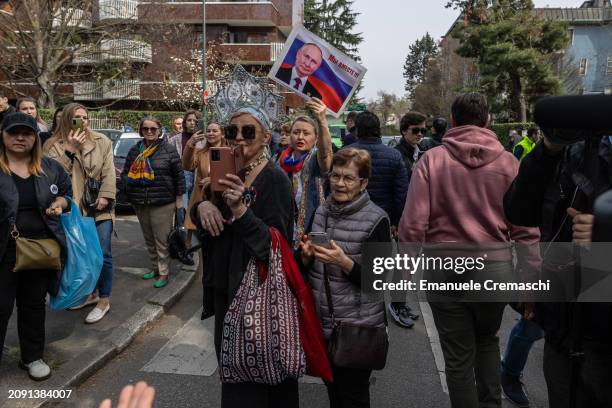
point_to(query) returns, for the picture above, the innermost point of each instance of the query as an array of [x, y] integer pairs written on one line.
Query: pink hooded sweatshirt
[[457, 191]]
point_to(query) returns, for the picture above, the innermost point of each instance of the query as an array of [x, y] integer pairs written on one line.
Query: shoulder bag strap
[[330, 303]]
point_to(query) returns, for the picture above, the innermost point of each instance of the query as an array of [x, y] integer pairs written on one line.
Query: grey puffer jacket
[[349, 225]]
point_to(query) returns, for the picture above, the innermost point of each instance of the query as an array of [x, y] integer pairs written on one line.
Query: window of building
[[583, 66], [609, 67]]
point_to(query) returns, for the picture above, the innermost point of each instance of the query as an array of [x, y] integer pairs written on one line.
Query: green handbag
[[36, 254]]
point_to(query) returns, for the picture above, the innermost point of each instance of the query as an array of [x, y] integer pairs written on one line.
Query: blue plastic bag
[[84, 260]]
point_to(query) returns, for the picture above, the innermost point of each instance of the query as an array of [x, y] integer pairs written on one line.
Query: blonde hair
[[36, 154], [64, 125], [308, 120]]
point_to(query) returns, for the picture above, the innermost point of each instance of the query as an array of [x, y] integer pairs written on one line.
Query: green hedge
[[502, 130]]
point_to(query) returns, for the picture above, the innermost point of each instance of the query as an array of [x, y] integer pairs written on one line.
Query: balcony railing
[[87, 91], [118, 9], [86, 54], [109, 89], [125, 50], [275, 50], [71, 17], [129, 89]]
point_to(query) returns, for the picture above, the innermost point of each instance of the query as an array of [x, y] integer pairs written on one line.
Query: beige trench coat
[[95, 159]]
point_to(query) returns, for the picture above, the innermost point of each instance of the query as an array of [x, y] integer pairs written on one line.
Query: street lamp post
[[204, 90]]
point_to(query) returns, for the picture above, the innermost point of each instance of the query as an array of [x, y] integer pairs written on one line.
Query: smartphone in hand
[[320, 239], [224, 160], [77, 124]]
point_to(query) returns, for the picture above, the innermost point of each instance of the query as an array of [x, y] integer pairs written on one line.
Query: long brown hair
[[32, 100], [35, 166], [64, 125]]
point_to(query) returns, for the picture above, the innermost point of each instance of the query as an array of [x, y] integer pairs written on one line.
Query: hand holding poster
[[311, 67]]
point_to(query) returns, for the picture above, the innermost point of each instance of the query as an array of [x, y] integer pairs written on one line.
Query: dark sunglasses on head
[[248, 132], [416, 131]]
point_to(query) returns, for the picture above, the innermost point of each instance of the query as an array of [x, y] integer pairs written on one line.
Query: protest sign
[[311, 67]]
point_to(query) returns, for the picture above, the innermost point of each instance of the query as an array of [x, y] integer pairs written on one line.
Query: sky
[[390, 26]]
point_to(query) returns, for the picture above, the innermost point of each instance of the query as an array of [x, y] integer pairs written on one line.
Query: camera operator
[[552, 192]]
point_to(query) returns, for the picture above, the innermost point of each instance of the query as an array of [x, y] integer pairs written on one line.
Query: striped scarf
[[141, 171]]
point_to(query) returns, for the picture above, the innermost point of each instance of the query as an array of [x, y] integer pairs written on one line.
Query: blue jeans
[[105, 282], [189, 179], [522, 337]]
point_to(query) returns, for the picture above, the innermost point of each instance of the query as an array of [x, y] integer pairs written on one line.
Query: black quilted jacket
[[169, 181]]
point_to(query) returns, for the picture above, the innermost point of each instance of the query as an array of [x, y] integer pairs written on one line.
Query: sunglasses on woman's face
[[416, 131], [150, 129], [249, 132]]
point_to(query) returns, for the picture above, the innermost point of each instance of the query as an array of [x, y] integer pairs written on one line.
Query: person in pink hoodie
[[456, 196]]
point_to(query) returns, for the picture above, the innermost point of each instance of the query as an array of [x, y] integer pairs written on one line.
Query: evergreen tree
[[512, 47], [421, 52]]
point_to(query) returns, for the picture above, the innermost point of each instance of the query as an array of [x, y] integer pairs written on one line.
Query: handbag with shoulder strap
[[35, 254], [355, 345]]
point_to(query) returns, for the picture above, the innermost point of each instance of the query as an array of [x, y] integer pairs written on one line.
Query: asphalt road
[[176, 357]]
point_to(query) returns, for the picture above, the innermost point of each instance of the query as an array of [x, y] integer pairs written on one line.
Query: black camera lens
[[215, 155]]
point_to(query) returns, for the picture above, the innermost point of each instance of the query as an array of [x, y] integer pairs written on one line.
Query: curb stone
[[83, 366]]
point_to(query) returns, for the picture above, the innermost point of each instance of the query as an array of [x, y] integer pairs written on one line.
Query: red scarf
[[288, 163]]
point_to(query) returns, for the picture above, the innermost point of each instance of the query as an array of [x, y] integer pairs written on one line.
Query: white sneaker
[[96, 314], [37, 370]]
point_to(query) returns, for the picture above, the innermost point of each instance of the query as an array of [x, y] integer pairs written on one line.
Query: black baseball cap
[[13, 120]]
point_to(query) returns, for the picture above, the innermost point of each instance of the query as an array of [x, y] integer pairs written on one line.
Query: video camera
[[569, 119]]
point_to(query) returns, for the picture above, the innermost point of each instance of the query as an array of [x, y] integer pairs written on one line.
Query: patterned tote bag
[[261, 329]]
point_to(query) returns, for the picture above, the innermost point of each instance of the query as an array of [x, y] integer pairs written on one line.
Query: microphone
[[568, 119]]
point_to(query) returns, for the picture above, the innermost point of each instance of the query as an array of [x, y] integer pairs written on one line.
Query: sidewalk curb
[[84, 365]]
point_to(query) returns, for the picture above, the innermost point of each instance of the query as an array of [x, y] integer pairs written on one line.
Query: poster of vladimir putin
[[312, 68]]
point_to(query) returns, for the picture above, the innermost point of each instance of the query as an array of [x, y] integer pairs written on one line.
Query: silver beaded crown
[[241, 90]]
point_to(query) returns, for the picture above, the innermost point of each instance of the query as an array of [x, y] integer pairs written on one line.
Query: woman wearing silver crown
[[236, 229]]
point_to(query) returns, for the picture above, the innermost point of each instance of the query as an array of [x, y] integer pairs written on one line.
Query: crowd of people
[[457, 185]]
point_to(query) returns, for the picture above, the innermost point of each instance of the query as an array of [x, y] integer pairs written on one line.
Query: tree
[[389, 108], [446, 76], [335, 21], [421, 52], [41, 40], [513, 48]]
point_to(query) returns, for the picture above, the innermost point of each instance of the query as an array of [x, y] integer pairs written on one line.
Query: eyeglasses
[[348, 180], [249, 132], [416, 131], [150, 129]]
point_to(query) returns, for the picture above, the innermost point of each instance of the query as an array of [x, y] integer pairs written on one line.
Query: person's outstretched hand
[[139, 396]]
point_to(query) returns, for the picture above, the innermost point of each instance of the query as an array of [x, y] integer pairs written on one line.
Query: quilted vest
[[349, 225]]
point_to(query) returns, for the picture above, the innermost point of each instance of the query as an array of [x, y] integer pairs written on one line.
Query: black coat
[[169, 181], [284, 74], [539, 196], [53, 175]]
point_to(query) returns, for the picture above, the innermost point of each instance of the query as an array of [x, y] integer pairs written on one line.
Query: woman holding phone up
[[198, 160], [88, 157], [347, 220]]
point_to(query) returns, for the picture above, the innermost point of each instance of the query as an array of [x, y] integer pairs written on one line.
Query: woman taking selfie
[[32, 196], [349, 219], [88, 157], [236, 227], [154, 183]]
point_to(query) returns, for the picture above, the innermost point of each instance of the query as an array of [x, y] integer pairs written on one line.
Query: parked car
[[121, 148], [391, 141], [112, 134]]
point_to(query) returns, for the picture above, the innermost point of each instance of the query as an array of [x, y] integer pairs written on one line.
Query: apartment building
[[156, 51]]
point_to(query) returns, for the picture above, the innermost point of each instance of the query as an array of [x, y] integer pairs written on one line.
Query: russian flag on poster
[[311, 67]]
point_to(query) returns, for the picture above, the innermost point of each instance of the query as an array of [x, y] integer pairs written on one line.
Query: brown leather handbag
[[36, 254], [356, 345]]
